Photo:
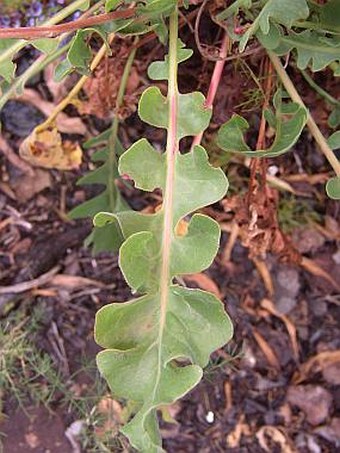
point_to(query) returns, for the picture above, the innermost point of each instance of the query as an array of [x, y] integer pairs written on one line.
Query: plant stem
[[214, 83], [61, 15], [318, 89], [314, 129], [171, 152], [77, 87], [36, 67], [114, 129], [42, 61], [51, 31]]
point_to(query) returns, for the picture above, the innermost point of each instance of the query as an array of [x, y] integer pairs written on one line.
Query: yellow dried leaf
[[45, 148]]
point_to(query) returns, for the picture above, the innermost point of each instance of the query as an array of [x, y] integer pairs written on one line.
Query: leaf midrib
[[168, 204]]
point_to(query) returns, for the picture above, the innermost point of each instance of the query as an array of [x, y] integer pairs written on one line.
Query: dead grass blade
[[269, 306], [315, 269], [266, 349]]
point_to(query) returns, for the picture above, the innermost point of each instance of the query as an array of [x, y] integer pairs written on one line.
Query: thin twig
[[318, 89], [26, 286], [115, 124], [14, 158], [313, 127]]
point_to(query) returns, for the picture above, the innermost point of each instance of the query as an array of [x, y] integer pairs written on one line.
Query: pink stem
[[214, 83]]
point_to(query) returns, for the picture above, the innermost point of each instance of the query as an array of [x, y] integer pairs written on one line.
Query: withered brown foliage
[[102, 88]]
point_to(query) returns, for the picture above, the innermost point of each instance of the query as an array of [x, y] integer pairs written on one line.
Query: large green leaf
[[284, 12], [312, 48], [288, 122], [157, 344], [330, 16]]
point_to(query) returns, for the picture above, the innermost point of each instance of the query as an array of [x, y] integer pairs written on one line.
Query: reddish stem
[[214, 83], [55, 30]]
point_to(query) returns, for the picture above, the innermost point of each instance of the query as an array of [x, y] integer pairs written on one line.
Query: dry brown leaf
[[59, 90], [234, 232], [266, 349], [204, 282], [32, 440], [269, 306], [15, 160], [182, 227], [112, 412], [315, 364], [228, 393], [276, 436], [331, 229], [314, 401], [265, 274], [102, 88], [241, 429], [46, 149], [311, 179], [64, 123], [29, 185], [7, 190]]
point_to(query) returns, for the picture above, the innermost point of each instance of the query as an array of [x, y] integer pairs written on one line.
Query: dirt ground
[[274, 388]]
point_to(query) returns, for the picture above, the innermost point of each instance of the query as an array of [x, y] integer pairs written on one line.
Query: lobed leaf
[[157, 344], [277, 11], [289, 121], [193, 115], [312, 48], [159, 70], [143, 366]]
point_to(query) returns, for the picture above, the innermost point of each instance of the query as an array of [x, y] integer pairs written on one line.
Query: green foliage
[[333, 185], [156, 345], [296, 213], [311, 30], [288, 122], [25, 372], [108, 238], [334, 140], [312, 48], [333, 188], [10, 47], [277, 11]]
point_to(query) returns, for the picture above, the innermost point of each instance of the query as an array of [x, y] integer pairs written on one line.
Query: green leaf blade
[[290, 120], [333, 188]]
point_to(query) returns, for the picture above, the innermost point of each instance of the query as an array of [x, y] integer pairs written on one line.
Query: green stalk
[[318, 89], [36, 67], [58, 17], [312, 126], [115, 124]]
